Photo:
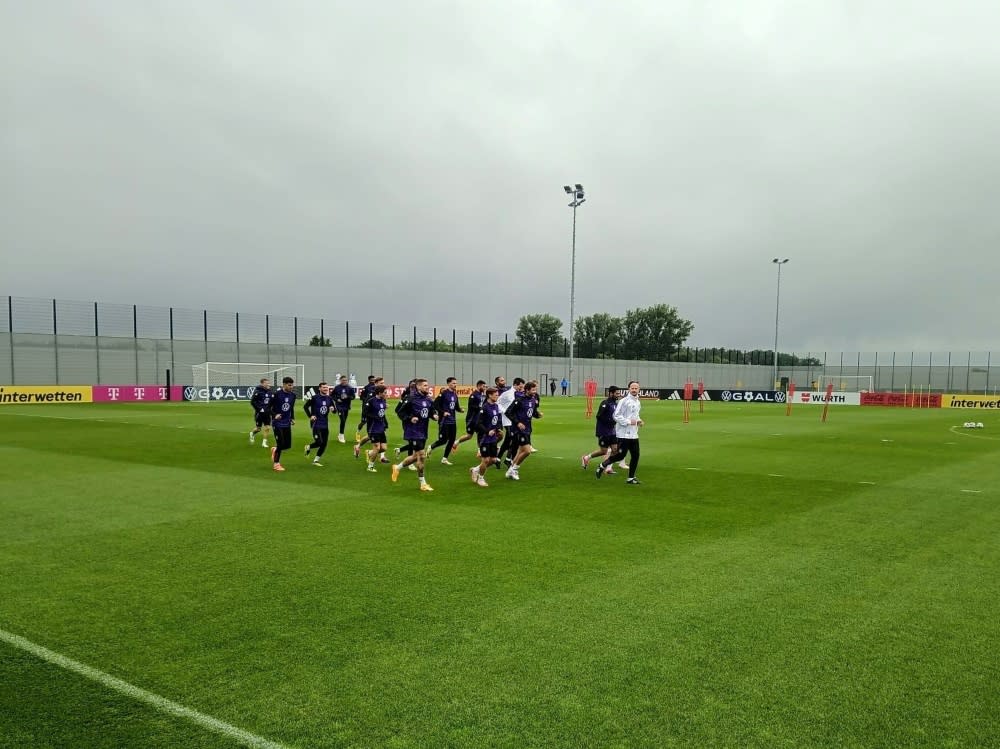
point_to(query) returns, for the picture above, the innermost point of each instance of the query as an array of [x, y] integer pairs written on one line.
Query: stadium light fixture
[[578, 199], [777, 306]]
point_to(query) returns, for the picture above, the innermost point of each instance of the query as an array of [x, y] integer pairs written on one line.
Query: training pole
[[789, 397], [827, 399], [701, 396], [688, 394]]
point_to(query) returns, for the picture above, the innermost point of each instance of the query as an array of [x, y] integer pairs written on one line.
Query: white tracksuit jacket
[[626, 411]]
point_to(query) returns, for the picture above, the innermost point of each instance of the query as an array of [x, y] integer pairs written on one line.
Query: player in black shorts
[[261, 403]]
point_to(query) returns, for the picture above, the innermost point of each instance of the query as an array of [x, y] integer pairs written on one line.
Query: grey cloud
[[204, 150]]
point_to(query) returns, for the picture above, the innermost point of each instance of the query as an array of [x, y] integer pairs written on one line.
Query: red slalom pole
[[789, 397], [701, 393], [688, 394], [827, 399]]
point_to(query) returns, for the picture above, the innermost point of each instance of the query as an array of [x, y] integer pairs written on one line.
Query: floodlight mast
[[578, 199], [777, 302]]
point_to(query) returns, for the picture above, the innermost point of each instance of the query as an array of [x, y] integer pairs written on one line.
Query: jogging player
[[375, 420], [282, 417], [505, 453], [521, 413], [488, 428], [359, 439], [417, 413], [446, 405], [318, 410], [366, 392], [607, 442], [261, 402], [343, 394]]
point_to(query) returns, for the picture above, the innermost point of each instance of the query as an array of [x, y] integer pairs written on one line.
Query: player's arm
[[619, 416]]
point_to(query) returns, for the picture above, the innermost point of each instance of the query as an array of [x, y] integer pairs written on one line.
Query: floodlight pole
[[777, 307], [578, 200]]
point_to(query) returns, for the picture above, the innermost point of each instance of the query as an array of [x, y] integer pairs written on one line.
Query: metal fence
[[51, 341]]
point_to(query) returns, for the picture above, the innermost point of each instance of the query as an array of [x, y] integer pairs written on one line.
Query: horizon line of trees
[[656, 333]]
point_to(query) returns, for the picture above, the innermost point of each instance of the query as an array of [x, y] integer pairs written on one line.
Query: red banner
[[902, 400]]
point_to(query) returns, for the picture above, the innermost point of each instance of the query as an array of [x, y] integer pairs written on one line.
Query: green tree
[[540, 334], [372, 343], [597, 336], [654, 333], [429, 345], [318, 340]]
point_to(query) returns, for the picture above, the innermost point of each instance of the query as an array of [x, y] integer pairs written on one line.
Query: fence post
[[55, 339], [173, 364], [135, 342], [10, 332], [204, 318], [97, 345]]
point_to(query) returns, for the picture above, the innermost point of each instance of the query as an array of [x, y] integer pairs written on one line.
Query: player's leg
[[324, 439], [448, 433], [282, 442], [343, 424], [633, 464]]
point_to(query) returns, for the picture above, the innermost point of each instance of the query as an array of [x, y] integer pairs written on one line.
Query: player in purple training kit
[[318, 410], [282, 413], [446, 405], [416, 413]]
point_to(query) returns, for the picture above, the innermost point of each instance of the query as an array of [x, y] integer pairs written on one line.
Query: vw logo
[[190, 393], [726, 395], [779, 397]]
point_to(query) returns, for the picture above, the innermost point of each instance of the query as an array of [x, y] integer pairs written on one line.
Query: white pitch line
[[776, 475], [130, 690], [869, 483], [972, 491], [692, 469]]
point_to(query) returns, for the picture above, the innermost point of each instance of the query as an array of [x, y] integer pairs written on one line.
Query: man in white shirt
[[504, 401], [627, 423]]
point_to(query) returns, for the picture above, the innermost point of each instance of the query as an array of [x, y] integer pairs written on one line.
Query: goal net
[[227, 381], [847, 383]]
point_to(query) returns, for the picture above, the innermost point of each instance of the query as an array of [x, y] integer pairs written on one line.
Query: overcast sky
[[404, 161]]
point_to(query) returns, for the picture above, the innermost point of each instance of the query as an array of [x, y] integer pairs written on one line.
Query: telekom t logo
[[113, 393]]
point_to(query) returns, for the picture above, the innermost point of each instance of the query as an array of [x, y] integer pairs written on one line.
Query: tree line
[[656, 333]]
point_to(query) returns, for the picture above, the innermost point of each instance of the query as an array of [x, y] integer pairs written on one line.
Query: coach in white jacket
[[627, 423], [504, 401]]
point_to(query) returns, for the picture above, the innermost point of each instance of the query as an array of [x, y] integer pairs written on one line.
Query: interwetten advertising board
[[20, 395], [988, 402]]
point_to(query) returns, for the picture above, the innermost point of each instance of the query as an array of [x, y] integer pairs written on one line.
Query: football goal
[[847, 383], [215, 381]]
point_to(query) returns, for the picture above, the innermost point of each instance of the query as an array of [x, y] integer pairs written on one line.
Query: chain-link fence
[[52, 341]]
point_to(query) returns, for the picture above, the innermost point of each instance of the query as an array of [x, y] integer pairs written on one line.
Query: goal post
[[215, 381], [847, 383]]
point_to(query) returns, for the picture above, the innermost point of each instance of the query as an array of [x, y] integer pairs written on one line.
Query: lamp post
[[777, 302], [578, 199]]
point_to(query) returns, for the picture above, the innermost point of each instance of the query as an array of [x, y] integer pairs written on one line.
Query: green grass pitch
[[774, 582]]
